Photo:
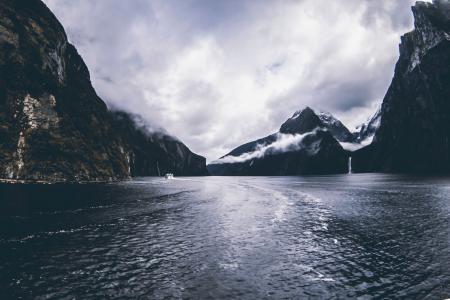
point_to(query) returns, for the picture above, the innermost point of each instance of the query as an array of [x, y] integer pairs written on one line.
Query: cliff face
[[151, 153], [303, 145], [414, 130], [53, 126]]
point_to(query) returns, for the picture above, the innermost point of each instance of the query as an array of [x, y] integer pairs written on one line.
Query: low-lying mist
[[283, 143]]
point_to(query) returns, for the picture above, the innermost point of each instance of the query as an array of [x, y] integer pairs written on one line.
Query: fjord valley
[[99, 201], [56, 128]]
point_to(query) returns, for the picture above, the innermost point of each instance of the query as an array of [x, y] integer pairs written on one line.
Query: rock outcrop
[[303, 145], [414, 131], [53, 126]]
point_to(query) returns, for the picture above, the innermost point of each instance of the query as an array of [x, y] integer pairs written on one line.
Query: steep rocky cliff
[[53, 126], [414, 128], [303, 145]]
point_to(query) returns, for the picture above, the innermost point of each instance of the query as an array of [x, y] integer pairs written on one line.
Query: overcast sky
[[219, 73]]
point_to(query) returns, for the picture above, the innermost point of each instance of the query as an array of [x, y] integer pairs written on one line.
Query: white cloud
[[220, 73], [357, 146], [283, 143]]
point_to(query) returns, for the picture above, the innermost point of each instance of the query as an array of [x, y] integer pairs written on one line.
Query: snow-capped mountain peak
[[367, 130]]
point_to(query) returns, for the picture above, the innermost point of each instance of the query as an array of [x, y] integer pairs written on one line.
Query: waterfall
[[157, 167], [349, 165]]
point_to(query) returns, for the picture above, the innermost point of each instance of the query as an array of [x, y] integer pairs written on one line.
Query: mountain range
[[303, 145], [409, 133], [54, 127], [310, 142]]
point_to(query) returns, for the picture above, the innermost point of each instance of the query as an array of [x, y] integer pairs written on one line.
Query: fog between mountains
[[284, 143]]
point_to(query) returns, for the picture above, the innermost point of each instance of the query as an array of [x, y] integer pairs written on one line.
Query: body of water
[[329, 237]]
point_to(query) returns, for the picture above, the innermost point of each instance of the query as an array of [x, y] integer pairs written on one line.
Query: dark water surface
[[366, 236]]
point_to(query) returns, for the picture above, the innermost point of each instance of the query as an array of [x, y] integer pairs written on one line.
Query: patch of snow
[[327, 118], [369, 128], [296, 114]]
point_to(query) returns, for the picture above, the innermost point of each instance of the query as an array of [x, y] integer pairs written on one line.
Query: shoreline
[[51, 182]]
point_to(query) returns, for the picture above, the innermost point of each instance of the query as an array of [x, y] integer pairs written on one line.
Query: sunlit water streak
[[367, 236]]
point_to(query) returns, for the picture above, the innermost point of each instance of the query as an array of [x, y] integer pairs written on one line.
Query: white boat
[[169, 176]]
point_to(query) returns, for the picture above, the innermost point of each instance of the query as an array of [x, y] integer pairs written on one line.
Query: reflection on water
[[368, 236]]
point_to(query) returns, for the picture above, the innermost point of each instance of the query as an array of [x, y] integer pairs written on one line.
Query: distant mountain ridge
[[303, 145], [152, 153], [337, 128], [53, 125], [410, 133]]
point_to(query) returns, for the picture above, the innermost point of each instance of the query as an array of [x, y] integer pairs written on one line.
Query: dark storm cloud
[[219, 73]]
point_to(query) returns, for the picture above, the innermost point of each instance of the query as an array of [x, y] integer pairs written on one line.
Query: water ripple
[[359, 236]]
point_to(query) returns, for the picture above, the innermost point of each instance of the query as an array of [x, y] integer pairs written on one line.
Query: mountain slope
[[303, 145], [414, 128], [53, 126], [325, 119], [336, 127], [151, 153], [367, 130]]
